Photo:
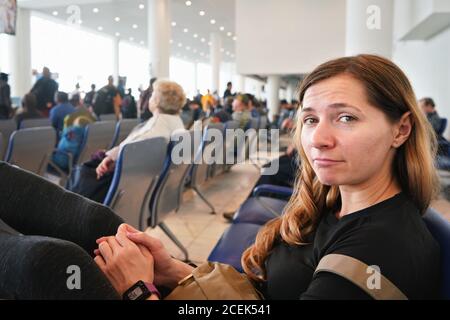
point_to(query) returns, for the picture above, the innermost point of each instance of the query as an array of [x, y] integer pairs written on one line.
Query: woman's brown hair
[[388, 89]]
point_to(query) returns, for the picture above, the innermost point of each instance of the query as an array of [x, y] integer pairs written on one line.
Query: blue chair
[[137, 170], [440, 229], [7, 127], [205, 157], [168, 194], [30, 149]]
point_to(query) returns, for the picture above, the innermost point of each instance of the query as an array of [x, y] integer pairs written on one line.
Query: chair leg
[[213, 211], [175, 240]]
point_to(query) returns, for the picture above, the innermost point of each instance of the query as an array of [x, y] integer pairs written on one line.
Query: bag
[[215, 281], [84, 181]]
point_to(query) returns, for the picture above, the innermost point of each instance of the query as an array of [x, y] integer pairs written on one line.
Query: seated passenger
[[29, 109], [241, 112], [60, 111], [165, 104], [366, 179]]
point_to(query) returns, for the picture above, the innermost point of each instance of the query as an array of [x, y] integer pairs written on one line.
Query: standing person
[[89, 99], [144, 100], [128, 108], [108, 100], [227, 92], [5, 97], [45, 89]]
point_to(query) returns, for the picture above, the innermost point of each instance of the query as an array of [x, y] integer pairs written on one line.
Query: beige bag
[[217, 281]]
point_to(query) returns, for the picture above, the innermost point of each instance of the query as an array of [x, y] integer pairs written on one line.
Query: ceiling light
[[135, 26], [170, 41], [222, 50], [141, 6], [194, 51], [234, 38], [142, 42], [209, 43], [188, 48], [202, 54], [117, 19], [80, 21], [212, 21], [188, 3], [131, 39], [222, 28], [229, 34], [55, 13], [202, 40], [95, 10], [195, 35], [202, 13], [117, 34], [185, 30], [180, 45], [100, 28], [174, 24]]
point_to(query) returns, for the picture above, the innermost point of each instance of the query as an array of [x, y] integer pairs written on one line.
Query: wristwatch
[[141, 291]]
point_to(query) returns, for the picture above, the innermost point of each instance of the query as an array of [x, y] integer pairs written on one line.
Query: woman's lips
[[322, 162]]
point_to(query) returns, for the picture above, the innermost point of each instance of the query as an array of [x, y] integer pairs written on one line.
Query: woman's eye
[[308, 121], [346, 119]]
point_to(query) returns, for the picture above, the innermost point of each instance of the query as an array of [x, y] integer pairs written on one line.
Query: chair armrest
[[269, 188]]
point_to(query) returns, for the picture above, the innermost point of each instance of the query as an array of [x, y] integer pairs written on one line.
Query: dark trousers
[[59, 230]]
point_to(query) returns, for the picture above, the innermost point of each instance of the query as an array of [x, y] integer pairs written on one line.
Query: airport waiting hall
[[224, 150]]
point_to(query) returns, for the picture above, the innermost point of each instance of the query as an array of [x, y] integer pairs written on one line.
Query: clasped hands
[[131, 256]]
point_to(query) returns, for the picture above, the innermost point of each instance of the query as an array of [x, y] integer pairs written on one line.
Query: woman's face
[[347, 141]]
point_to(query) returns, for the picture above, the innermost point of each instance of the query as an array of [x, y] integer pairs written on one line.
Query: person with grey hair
[[166, 102]]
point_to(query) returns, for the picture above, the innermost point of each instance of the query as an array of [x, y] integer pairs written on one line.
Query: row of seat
[[259, 209]]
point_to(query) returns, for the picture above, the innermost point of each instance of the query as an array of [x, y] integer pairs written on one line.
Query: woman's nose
[[322, 136]]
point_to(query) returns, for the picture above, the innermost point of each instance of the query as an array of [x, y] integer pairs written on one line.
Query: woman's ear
[[402, 130]]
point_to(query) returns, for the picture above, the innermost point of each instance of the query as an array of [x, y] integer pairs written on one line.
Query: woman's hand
[[168, 271], [107, 165], [123, 262]]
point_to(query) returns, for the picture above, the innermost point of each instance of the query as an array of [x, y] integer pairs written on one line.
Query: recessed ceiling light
[[202, 40], [135, 26], [194, 51], [234, 38], [170, 41], [55, 13], [174, 24], [188, 48], [142, 42], [185, 30], [95, 10], [222, 28], [195, 35], [142, 6], [212, 21], [202, 13], [180, 45], [209, 43], [229, 34], [222, 50], [117, 19], [100, 28], [228, 53], [202, 54], [188, 3], [117, 34], [80, 21], [131, 39]]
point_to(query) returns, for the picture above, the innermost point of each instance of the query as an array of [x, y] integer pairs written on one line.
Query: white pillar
[[195, 78], [20, 55], [273, 95], [369, 27], [116, 59], [289, 92], [241, 84], [215, 56], [158, 29]]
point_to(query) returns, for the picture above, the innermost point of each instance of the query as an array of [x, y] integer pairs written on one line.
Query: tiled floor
[[199, 230]]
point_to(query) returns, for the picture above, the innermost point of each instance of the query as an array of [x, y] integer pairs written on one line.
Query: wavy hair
[[389, 90]]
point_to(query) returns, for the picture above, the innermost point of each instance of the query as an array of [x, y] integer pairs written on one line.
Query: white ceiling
[[222, 11]]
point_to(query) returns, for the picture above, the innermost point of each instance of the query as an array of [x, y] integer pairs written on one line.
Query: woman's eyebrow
[[332, 106]]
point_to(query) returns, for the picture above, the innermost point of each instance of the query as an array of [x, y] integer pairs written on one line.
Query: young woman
[[367, 176]]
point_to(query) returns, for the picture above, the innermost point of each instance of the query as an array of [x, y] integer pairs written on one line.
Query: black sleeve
[[329, 286]]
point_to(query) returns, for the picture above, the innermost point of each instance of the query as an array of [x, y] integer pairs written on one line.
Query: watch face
[[136, 293]]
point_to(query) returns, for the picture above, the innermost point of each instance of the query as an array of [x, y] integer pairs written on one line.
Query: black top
[[390, 235]]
